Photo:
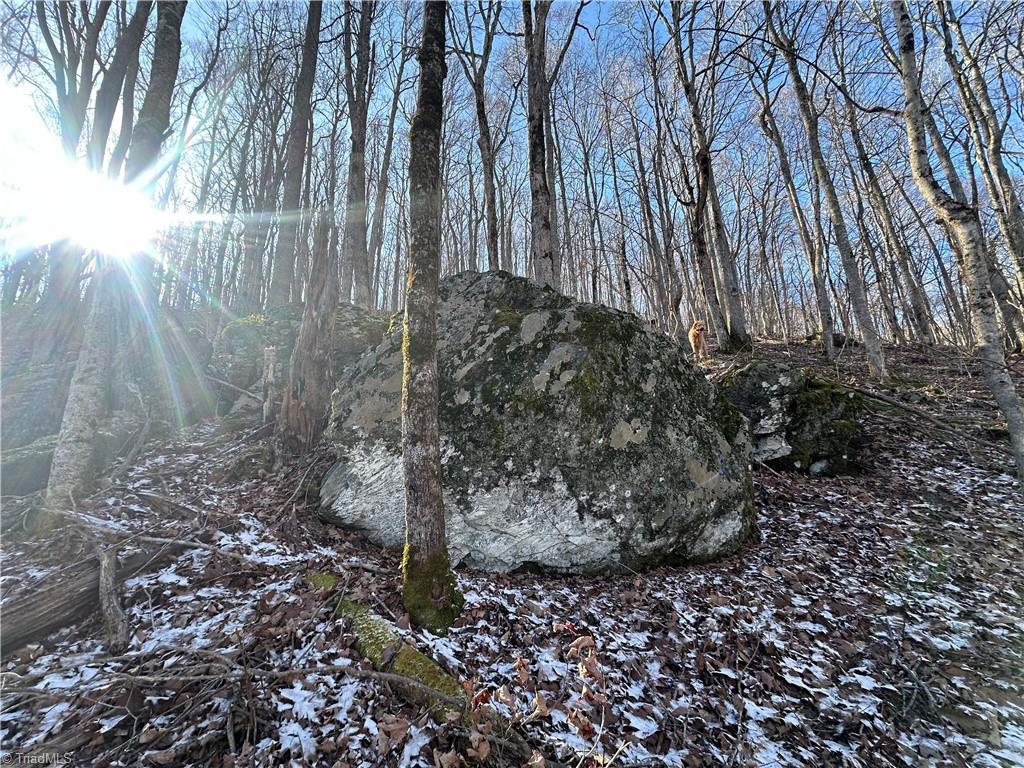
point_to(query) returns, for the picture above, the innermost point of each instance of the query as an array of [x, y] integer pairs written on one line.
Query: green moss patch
[[388, 652], [429, 591]]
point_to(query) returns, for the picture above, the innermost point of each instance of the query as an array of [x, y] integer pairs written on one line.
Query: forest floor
[[878, 619]]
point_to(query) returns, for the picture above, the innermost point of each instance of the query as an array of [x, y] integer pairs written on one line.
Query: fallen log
[[935, 422], [389, 653], [71, 594], [421, 680]]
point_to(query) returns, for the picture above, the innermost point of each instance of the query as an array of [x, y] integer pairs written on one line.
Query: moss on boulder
[[574, 438], [798, 420]]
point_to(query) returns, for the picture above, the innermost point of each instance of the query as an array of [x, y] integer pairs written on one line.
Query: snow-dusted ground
[[878, 621]]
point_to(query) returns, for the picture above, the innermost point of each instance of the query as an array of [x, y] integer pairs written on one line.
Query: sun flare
[[89, 210], [46, 197]]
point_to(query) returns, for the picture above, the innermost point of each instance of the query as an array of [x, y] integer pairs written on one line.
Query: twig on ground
[[935, 422], [192, 544]]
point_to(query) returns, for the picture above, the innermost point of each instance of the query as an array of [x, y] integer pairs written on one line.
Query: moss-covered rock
[[798, 420], [574, 438], [256, 459], [33, 400], [26, 469], [238, 350]]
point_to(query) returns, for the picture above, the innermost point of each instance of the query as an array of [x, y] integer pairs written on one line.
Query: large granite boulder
[[797, 420], [574, 438], [238, 349]]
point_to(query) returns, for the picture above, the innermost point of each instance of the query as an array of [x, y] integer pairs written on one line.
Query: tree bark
[[547, 263], [294, 162], [88, 404], [964, 224], [380, 211], [357, 72], [428, 585], [68, 596], [155, 114], [310, 381]]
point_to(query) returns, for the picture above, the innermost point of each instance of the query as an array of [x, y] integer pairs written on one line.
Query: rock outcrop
[[238, 350], [797, 420], [32, 392], [26, 469], [574, 438]]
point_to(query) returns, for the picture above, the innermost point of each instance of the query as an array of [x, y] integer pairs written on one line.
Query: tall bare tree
[[963, 223], [310, 375], [428, 586], [474, 64], [88, 403], [294, 162], [786, 44], [359, 56]]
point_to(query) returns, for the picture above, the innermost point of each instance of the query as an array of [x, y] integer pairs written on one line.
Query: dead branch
[[110, 605], [231, 386], [932, 420]]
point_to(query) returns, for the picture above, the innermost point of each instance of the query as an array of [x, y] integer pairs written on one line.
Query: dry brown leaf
[[480, 748], [450, 759], [522, 670], [577, 646], [540, 705]]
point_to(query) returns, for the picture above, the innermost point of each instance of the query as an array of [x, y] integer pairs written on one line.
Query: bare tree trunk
[[357, 73], [428, 585], [547, 263], [727, 282], [126, 52], [963, 223], [380, 204], [988, 133], [474, 65], [155, 114], [826, 325], [897, 246], [855, 283], [309, 377], [88, 403], [295, 147]]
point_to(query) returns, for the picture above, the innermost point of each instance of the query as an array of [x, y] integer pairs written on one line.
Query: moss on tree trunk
[[428, 585], [429, 591]]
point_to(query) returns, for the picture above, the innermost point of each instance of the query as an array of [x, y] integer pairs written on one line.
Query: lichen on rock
[[797, 420], [574, 438]]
